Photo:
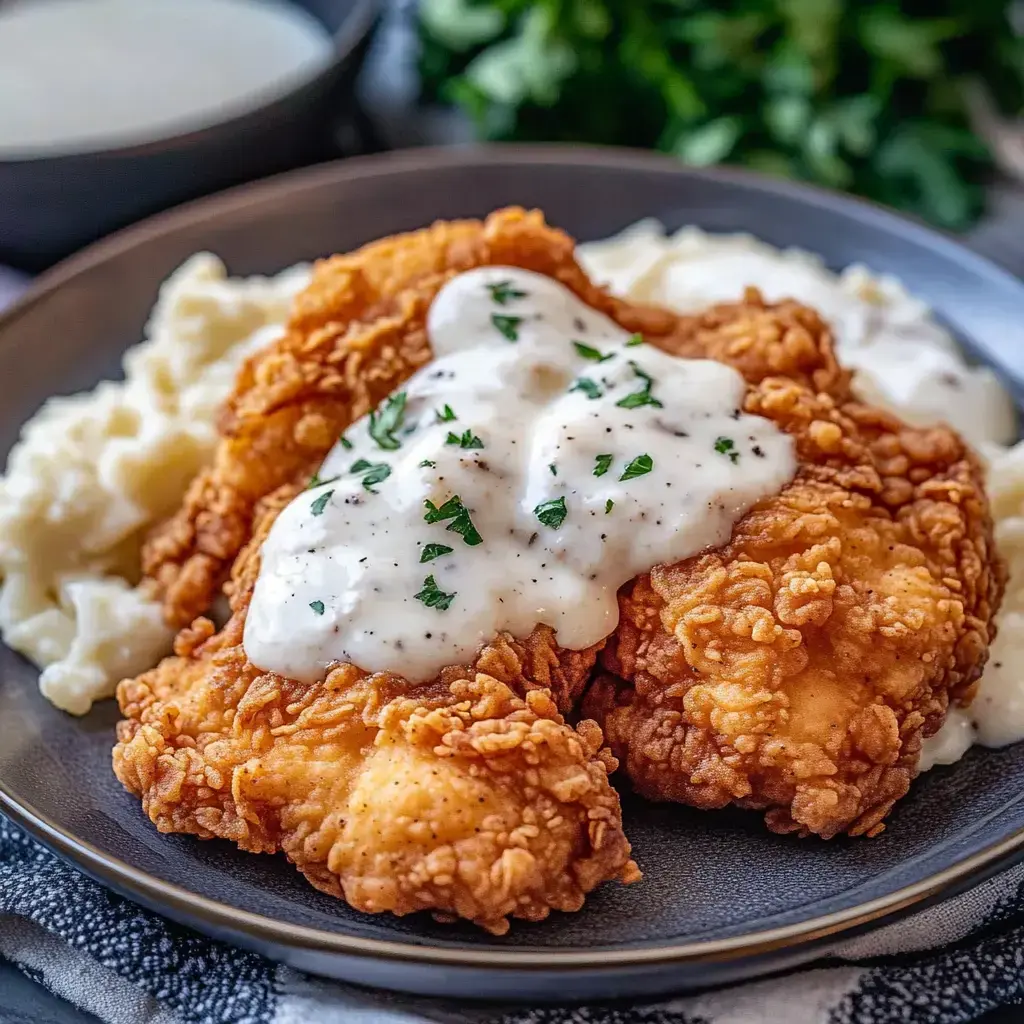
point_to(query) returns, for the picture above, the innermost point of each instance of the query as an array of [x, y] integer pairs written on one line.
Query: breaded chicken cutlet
[[793, 670]]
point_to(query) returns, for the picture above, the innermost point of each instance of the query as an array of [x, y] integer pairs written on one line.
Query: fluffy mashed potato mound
[[903, 360], [91, 473]]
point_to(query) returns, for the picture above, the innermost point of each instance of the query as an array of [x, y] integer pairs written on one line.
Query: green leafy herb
[[319, 504], [386, 420], [345, 443], [552, 512], [461, 523], [467, 440], [433, 597], [608, 506], [639, 466], [725, 446], [635, 339], [317, 606], [602, 464], [591, 353], [315, 481], [503, 292], [375, 472], [445, 415], [432, 551], [427, 464], [587, 386], [553, 468], [867, 95], [508, 326], [641, 397]]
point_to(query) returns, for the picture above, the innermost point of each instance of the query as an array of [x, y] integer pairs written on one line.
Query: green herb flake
[[432, 551], [507, 326], [591, 353], [386, 420], [315, 481], [640, 466], [643, 396], [433, 597], [635, 339], [552, 513], [376, 472], [553, 468], [427, 464], [345, 443], [445, 415], [725, 446], [319, 504], [467, 440], [608, 506], [461, 523], [317, 606], [602, 464], [503, 292], [588, 387]]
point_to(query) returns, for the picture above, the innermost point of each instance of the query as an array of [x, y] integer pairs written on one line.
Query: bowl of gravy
[[116, 109]]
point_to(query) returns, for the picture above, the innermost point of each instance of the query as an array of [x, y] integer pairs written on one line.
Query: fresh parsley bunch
[[863, 95]]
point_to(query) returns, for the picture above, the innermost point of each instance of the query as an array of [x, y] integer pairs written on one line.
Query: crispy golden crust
[[794, 670], [797, 668], [470, 796], [357, 332]]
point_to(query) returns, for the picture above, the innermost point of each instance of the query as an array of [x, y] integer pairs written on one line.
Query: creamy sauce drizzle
[[563, 458]]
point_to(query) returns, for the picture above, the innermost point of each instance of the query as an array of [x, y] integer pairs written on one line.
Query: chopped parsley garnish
[[432, 551], [588, 387], [315, 481], [552, 513], [445, 415], [503, 291], [635, 339], [608, 506], [433, 597], [602, 464], [641, 397], [508, 326], [467, 440], [461, 523], [725, 446], [375, 472], [318, 505], [386, 420], [640, 466], [345, 443], [317, 606], [427, 464], [589, 352], [553, 468]]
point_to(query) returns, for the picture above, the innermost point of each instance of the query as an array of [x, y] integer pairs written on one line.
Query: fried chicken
[[357, 332], [794, 670], [797, 669], [469, 796]]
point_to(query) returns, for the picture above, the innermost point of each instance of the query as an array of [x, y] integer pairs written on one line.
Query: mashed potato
[[92, 472], [903, 360]]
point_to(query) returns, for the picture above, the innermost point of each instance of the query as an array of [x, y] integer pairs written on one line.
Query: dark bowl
[[52, 204], [722, 898]]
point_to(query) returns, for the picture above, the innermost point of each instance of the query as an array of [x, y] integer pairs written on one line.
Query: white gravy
[[552, 488], [86, 74]]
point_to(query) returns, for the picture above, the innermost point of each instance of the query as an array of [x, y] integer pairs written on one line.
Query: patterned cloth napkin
[[946, 965]]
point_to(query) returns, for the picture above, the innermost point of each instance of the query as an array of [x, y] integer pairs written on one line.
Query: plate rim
[[188, 906]]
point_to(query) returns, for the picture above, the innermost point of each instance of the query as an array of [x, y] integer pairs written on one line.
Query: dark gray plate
[[721, 897]]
